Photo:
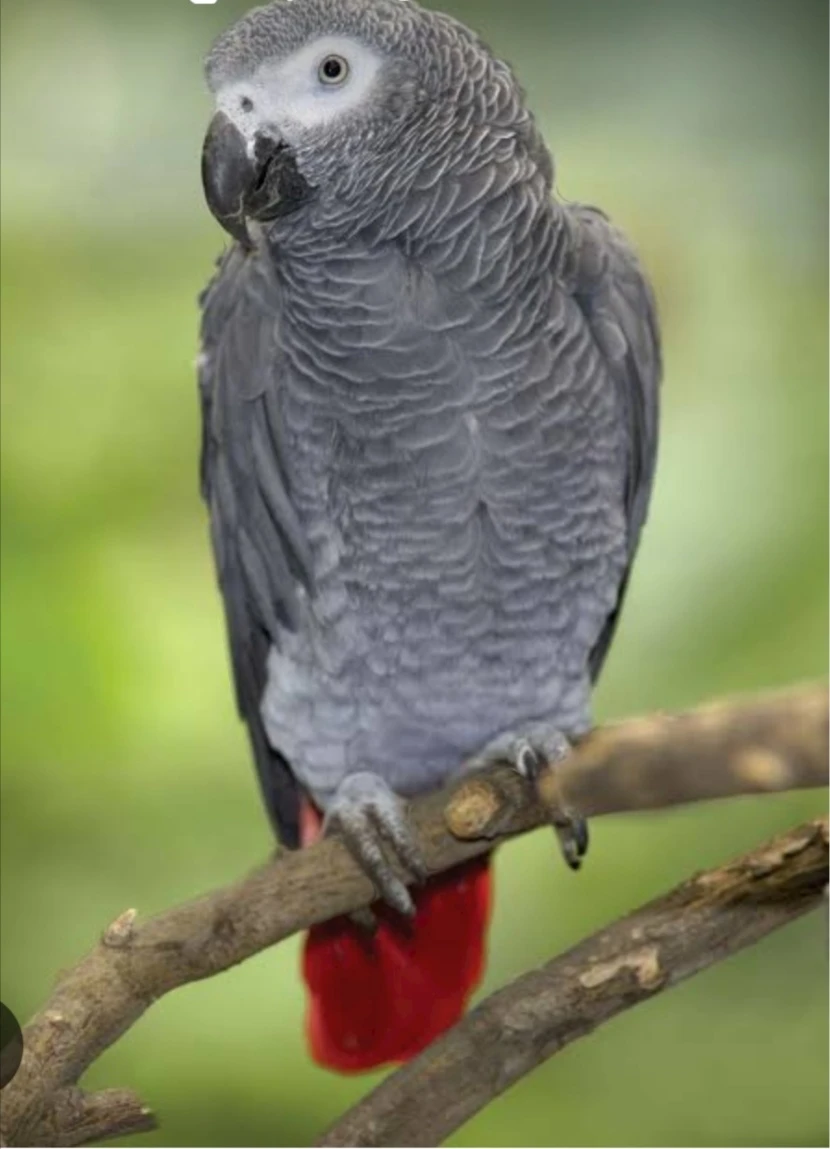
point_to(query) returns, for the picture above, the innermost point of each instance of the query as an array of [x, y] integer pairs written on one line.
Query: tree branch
[[772, 743], [700, 922], [77, 1118]]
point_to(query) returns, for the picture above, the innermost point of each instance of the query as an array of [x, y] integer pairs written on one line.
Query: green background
[[701, 127]]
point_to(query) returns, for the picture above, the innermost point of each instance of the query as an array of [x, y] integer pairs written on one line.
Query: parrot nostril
[[246, 104]]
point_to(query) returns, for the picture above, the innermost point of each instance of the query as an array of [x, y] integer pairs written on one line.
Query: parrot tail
[[382, 997]]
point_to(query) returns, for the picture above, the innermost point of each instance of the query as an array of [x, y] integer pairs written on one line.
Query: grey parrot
[[430, 409]]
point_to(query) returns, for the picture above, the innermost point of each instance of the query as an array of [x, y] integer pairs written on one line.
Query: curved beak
[[227, 175], [239, 186]]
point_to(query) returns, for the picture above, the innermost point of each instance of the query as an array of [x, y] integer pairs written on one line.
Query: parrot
[[429, 394]]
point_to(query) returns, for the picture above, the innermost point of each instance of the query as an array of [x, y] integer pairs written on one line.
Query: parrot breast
[[454, 457]]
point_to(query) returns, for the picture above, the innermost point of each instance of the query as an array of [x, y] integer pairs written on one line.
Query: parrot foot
[[364, 919], [535, 754], [370, 816]]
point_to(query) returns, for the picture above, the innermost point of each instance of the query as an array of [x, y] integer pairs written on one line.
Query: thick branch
[[773, 743], [699, 923]]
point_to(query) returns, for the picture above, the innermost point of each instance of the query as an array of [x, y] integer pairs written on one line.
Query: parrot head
[[348, 103]]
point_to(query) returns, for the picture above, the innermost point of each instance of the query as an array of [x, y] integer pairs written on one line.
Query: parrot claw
[[571, 829], [368, 814], [535, 755], [364, 919]]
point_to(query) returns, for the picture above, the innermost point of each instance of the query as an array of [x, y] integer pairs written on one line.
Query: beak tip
[[227, 174]]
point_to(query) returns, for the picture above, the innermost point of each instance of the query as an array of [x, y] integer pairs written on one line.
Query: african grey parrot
[[429, 396]]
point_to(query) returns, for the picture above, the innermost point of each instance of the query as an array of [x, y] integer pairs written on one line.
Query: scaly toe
[[527, 760], [369, 814], [394, 829]]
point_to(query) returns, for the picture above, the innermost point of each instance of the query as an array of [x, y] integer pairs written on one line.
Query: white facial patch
[[292, 95]]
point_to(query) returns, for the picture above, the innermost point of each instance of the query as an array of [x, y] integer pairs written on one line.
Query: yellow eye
[[333, 70]]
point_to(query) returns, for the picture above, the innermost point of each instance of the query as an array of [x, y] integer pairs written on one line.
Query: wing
[[259, 547], [618, 304]]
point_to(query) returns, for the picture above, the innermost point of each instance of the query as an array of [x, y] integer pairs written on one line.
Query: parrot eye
[[333, 70]]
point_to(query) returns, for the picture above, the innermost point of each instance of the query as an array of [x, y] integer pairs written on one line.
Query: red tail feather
[[376, 998]]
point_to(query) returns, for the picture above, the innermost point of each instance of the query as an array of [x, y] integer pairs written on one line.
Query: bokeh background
[[702, 128]]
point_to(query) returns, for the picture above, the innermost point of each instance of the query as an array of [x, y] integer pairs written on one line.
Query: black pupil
[[332, 68]]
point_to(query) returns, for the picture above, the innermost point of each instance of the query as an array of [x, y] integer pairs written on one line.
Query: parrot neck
[[480, 233]]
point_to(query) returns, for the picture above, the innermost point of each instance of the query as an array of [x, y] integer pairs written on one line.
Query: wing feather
[[260, 550], [619, 306]]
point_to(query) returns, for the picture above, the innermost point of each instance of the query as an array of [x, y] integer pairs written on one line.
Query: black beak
[[239, 187], [227, 175]]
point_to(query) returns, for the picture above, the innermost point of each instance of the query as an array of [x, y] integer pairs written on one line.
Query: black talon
[[580, 829], [572, 832], [365, 919], [571, 829], [536, 753]]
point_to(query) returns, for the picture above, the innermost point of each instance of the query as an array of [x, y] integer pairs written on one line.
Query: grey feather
[[430, 408], [618, 303], [259, 550]]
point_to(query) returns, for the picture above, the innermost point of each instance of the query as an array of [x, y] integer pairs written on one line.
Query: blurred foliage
[[702, 128]]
